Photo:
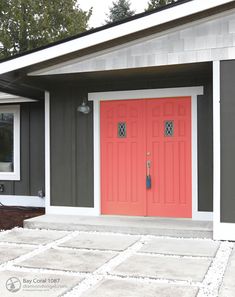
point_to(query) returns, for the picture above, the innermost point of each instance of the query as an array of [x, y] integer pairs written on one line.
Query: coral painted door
[[137, 132], [169, 151], [123, 149]]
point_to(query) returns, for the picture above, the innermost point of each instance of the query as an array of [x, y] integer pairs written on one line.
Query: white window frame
[[15, 175]]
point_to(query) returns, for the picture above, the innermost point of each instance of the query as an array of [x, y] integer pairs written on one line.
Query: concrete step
[[124, 224]]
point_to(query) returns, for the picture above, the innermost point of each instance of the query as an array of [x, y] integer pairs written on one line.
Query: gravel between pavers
[[208, 288]]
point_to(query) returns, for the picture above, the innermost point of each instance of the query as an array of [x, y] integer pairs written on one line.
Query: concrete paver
[[187, 247], [101, 264], [164, 267], [32, 236], [228, 287], [124, 288], [8, 253], [101, 241], [70, 260], [28, 284]]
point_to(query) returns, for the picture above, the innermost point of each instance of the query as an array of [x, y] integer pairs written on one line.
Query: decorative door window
[[169, 128], [121, 129]]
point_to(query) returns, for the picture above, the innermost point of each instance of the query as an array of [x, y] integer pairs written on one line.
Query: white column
[[97, 169], [47, 151], [221, 231]]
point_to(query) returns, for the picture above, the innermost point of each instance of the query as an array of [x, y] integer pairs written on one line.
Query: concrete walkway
[[97, 264], [124, 224]]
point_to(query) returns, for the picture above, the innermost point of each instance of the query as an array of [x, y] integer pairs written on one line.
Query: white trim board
[[66, 210], [47, 151], [146, 94], [15, 110], [136, 25], [8, 98], [222, 231], [25, 201]]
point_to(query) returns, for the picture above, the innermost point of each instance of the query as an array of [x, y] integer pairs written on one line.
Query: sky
[[101, 7]]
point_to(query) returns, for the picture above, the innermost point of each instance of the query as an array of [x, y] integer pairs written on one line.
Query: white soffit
[[158, 18], [8, 98]]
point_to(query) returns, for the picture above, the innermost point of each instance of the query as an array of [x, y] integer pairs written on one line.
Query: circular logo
[[13, 284]]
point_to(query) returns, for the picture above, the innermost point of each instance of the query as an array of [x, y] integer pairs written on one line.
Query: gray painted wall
[[227, 104], [205, 149], [32, 152], [71, 150], [72, 137]]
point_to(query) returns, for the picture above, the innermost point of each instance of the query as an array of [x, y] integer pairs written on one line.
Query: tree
[[152, 4], [120, 10], [28, 24]]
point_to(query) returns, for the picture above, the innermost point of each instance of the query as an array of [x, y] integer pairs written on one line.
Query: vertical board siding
[[71, 151], [205, 150], [73, 146], [32, 156], [227, 105]]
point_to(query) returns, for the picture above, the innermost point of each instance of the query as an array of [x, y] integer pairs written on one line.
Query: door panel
[[170, 155], [123, 145], [134, 132]]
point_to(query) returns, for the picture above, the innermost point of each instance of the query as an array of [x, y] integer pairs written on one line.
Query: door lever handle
[[148, 164], [148, 177]]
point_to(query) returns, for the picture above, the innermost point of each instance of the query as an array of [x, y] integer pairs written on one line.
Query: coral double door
[[146, 157]]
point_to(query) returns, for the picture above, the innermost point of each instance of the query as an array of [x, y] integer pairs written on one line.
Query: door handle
[[148, 176], [148, 167]]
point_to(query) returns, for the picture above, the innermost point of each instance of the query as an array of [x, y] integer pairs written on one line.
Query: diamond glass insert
[[122, 129], [169, 128]]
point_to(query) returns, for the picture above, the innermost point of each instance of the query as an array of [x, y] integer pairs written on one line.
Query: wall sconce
[[84, 108]]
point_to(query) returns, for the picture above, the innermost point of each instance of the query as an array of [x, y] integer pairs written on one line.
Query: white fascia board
[[121, 30], [9, 98]]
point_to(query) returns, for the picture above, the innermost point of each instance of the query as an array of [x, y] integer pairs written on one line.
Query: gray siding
[[72, 138], [32, 175], [205, 149], [227, 101], [71, 150]]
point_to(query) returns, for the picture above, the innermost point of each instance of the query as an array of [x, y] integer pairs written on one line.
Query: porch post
[[216, 148], [47, 151], [97, 169]]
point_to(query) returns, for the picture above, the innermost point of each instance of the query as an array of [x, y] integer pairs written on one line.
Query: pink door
[[122, 147], [169, 151], [137, 132]]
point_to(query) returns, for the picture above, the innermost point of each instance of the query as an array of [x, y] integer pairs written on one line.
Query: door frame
[[192, 92]]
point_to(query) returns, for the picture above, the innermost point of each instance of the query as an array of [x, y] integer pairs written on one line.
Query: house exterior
[[159, 137]]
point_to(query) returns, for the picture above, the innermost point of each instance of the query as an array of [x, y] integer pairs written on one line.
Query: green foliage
[[152, 4], [28, 24], [120, 10]]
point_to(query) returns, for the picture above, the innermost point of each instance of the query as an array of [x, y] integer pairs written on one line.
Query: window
[[121, 129], [10, 142], [169, 128]]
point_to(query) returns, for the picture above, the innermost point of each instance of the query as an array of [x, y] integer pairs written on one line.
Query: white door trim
[[66, 210], [193, 92]]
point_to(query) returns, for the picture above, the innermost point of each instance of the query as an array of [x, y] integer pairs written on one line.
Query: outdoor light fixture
[[84, 108]]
